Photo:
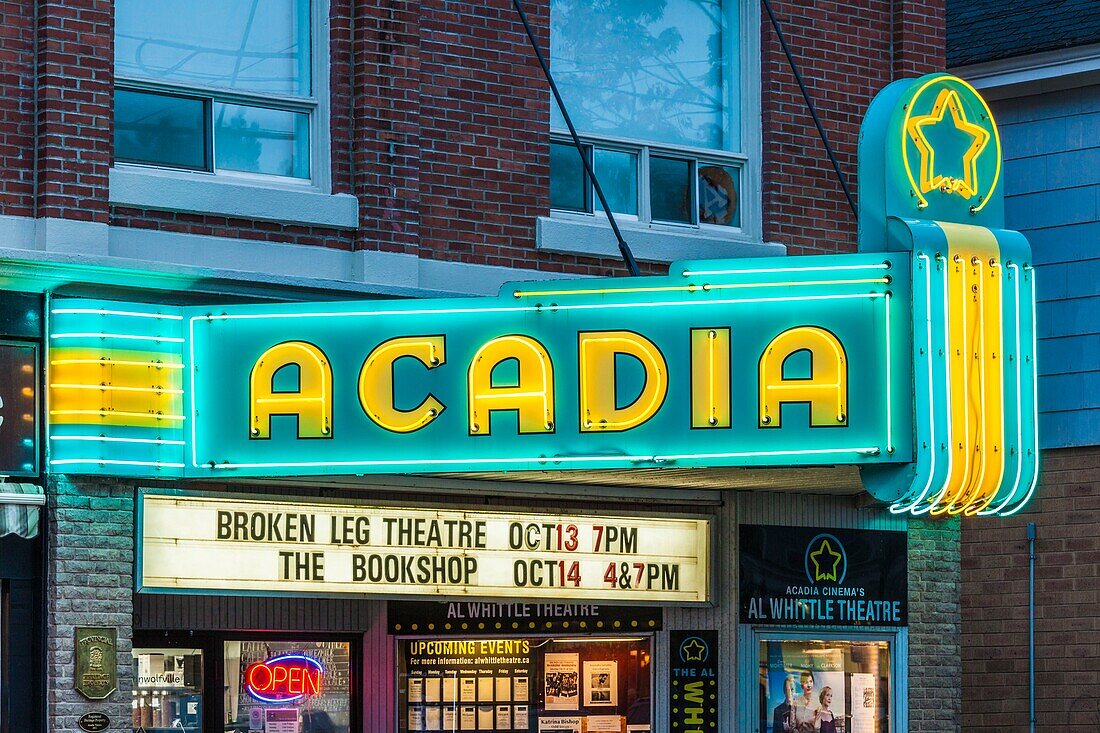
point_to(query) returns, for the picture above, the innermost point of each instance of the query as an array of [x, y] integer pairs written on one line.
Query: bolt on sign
[[192, 542], [96, 673], [913, 359]]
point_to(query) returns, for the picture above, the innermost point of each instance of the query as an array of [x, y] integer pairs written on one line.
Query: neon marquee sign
[[913, 359], [284, 679]]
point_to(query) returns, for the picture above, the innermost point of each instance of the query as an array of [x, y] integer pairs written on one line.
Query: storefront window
[[288, 687], [167, 690], [824, 686], [525, 684]]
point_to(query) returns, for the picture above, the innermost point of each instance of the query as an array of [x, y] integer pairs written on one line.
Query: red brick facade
[[1067, 589], [846, 52], [439, 123]]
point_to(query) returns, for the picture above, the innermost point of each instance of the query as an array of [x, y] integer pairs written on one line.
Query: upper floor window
[[215, 86], [654, 89]]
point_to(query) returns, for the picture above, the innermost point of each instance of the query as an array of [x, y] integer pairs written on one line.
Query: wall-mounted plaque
[[96, 675]]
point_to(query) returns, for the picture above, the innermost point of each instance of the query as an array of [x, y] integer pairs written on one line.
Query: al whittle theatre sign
[[268, 545], [913, 359]]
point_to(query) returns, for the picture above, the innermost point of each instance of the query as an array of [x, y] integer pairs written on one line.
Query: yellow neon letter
[[826, 389], [376, 389], [311, 402], [597, 351], [533, 395], [710, 377]]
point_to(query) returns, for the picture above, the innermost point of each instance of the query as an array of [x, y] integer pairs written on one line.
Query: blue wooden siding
[[1052, 186]]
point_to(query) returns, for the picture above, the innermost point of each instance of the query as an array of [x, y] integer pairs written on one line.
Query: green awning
[[19, 509]]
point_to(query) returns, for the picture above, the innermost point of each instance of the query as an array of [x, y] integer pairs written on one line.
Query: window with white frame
[[653, 88], [217, 86]]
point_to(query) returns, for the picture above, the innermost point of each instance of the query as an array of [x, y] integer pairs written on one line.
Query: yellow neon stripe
[[107, 362], [106, 388], [116, 413], [975, 373]]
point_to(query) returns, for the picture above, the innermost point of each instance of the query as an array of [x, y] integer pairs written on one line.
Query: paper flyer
[[601, 684], [467, 717], [485, 717], [433, 717], [571, 723], [864, 696], [519, 689], [450, 719], [416, 689], [467, 689], [504, 717], [416, 717], [562, 676], [431, 689], [450, 688], [605, 724], [519, 717], [485, 688], [504, 689]]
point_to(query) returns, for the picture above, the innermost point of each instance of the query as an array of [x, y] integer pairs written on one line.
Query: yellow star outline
[[967, 187], [693, 651], [820, 558]]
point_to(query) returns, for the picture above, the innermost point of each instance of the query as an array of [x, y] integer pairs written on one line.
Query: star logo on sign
[[693, 651], [918, 128], [825, 560]]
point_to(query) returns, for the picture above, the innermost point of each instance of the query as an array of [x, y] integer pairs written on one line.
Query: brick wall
[[17, 108], [846, 52], [90, 571], [1067, 589], [440, 123], [935, 671]]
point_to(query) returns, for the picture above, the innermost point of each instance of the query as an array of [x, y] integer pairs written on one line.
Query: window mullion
[[644, 214]]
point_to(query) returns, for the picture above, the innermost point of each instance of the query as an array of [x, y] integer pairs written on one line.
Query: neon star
[[693, 651], [967, 186], [825, 561]]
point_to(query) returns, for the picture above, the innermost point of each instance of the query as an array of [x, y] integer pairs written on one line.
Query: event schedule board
[[196, 542]]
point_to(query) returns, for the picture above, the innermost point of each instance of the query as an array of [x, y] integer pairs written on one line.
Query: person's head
[[806, 679], [788, 687], [826, 696]]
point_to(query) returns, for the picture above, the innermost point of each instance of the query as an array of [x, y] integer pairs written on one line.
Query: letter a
[[311, 402], [826, 388]]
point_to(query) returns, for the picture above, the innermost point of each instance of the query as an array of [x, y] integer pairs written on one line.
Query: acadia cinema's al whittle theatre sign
[[192, 542], [913, 359]]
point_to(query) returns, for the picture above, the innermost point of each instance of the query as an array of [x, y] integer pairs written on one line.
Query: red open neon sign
[[284, 679]]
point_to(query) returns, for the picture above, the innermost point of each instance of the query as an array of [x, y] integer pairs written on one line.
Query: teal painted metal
[[862, 299]]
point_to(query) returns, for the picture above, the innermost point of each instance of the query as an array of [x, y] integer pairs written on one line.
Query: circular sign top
[[950, 146]]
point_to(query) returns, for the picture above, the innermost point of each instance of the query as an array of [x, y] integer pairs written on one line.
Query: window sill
[[587, 235], [201, 194]]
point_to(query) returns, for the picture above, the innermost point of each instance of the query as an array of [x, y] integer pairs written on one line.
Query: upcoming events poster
[[562, 678]]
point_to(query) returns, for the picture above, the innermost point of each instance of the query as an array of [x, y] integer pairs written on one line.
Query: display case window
[[526, 684], [825, 686], [287, 686], [167, 690]]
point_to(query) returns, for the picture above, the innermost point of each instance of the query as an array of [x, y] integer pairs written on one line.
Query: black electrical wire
[[624, 248], [813, 111]]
